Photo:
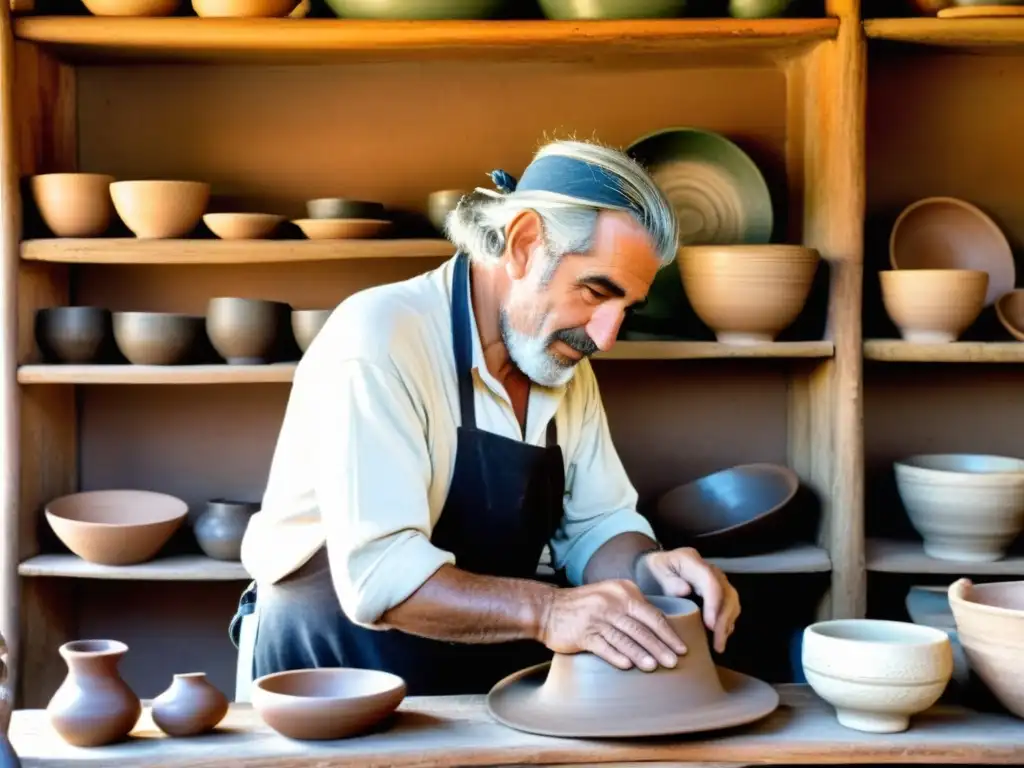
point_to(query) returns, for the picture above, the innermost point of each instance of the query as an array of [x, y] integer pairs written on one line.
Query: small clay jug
[[192, 705], [93, 706], [220, 528], [8, 758]]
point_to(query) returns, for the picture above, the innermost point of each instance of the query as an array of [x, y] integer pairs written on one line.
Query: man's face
[[551, 320]]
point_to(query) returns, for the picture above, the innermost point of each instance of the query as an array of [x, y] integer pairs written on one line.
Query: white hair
[[477, 225]]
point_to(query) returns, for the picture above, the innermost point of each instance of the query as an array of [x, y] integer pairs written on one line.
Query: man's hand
[[613, 620], [680, 572]]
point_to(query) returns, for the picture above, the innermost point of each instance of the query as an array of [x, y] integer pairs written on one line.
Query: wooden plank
[[457, 731], [898, 351], [889, 556], [708, 350], [801, 558], [91, 39], [979, 34], [123, 250]]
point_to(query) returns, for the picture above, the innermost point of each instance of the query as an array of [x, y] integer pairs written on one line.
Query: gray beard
[[533, 357]]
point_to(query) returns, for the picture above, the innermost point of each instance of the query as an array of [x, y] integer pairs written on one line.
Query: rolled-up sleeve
[[601, 501], [371, 474]]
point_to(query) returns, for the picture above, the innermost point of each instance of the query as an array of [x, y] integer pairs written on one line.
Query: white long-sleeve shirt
[[367, 449]]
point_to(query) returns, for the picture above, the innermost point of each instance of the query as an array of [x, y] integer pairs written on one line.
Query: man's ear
[[524, 241]]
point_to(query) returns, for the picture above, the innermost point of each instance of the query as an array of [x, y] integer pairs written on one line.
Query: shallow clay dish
[[946, 233], [321, 704], [306, 324], [239, 9], [967, 507], [343, 208], [736, 503], [131, 7], [242, 226], [582, 696], [115, 527], [1010, 309], [156, 338], [416, 9], [613, 9], [933, 306], [73, 334], [160, 209], [341, 229], [245, 331], [747, 294], [990, 624], [74, 204], [877, 674]]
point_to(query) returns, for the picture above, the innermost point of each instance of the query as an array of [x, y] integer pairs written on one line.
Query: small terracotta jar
[[8, 758], [220, 528], [94, 705], [192, 705]]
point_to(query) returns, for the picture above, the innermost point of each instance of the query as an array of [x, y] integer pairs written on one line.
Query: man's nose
[[604, 325]]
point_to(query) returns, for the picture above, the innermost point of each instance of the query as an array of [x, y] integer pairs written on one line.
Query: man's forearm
[[621, 558], [458, 606]]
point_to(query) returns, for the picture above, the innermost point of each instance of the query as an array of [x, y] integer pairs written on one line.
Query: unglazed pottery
[[1010, 310], [341, 229], [73, 334], [747, 294], [243, 8], [131, 7], [416, 9], [245, 331], [93, 706], [731, 504], [933, 306], [990, 623], [758, 9], [343, 208], [118, 527], [156, 338], [440, 204], [583, 696], [877, 674], [74, 204], [221, 526], [613, 9], [947, 233], [967, 507], [929, 606], [157, 209], [306, 324], [190, 706], [322, 704], [242, 226]]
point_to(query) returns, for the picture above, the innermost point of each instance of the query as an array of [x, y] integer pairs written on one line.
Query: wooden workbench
[[457, 731]]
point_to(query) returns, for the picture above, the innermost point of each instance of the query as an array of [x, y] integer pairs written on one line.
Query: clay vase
[[192, 705], [220, 528], [93, 706], [8, 758]]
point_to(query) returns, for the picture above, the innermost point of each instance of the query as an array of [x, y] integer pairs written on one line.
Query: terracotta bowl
[[239, 9], [156, 338], [613, 9], [322, 704], [877, 674], [73, 334], [132, 7], [416, 9], [341, 229], [990, 624], [967, 507], [730, 506], [1010, 309], [933, 306], [74, 204], [306, 324], [343, 208], [441, 203], [747, 294], [160, 209], [115, 527], [245, 331], [946, 233], [242, 226]]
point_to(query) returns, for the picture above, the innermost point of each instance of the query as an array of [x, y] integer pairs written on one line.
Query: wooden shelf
[[896, 351], [177, 568], [129, 250], [801, 558], [273, 41], [995, 34], [707, 350], [908, 557]]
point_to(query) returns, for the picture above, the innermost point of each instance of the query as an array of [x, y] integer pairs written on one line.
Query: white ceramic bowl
[[967, 507], [877, 674]]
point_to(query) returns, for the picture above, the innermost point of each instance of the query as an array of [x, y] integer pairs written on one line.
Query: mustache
[[578, 339]]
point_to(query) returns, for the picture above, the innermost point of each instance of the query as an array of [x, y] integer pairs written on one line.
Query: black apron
[[503, 506]]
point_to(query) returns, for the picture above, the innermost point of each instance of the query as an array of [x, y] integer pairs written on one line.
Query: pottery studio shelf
[[890, 556], [85, 39], [897, 351], [994, 35]]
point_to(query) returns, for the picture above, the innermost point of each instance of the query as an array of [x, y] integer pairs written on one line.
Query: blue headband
[[571, 177]]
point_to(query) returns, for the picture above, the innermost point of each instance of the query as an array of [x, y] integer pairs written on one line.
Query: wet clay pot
[[93, 706], [220, 528], [8, 758], [192, 705]]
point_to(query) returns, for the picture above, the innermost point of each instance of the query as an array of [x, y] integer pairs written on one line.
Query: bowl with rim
[[242, 226], [307, 323], [344, 208], [1010, 310], [245, 331], [160, 209], [243, 9], [416, 9], [613, 9], [73, 334], [156, 338], [933, 306], [74, 204], [132, 7]]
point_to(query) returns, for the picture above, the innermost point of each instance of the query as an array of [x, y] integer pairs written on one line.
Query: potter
[[442, 430]]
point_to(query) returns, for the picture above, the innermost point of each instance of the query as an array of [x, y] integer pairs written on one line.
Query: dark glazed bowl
[[342, 208], [156, 338], [73, 334], [245, 331]]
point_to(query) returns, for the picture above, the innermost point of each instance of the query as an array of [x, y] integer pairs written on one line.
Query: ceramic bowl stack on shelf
[[232, 9]]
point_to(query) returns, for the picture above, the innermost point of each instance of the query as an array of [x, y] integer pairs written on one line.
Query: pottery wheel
[[706, 199], [518, 702]]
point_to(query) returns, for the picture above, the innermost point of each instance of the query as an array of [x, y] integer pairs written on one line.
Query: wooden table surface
[[457, 731]]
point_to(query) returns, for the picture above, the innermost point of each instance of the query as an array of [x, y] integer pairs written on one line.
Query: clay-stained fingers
[[629, 647], [655, 620], [646, 638], [600, 647]]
